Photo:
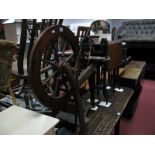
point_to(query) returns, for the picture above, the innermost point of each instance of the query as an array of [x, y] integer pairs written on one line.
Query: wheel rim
[[55, 45]]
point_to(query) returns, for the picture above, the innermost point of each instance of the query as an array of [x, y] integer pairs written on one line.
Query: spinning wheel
[[55, 47], [52, 71]]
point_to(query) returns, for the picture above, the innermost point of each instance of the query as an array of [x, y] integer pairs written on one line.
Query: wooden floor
[[103, 121]]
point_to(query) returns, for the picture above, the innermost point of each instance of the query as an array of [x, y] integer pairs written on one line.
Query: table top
[[103, 121], [19, 121]]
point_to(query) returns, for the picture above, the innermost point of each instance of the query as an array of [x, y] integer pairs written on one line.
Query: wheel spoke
[[57, 86], [49, 78]]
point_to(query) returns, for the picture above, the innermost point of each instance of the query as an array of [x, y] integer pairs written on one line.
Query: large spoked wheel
[[50, 83]]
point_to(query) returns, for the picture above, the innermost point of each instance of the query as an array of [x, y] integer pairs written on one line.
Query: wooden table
[[131, 77], [104, 120], [19, 121]]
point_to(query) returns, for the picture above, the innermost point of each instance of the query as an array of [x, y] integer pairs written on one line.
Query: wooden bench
[[133, 71], [131, 77], [19, 121]]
